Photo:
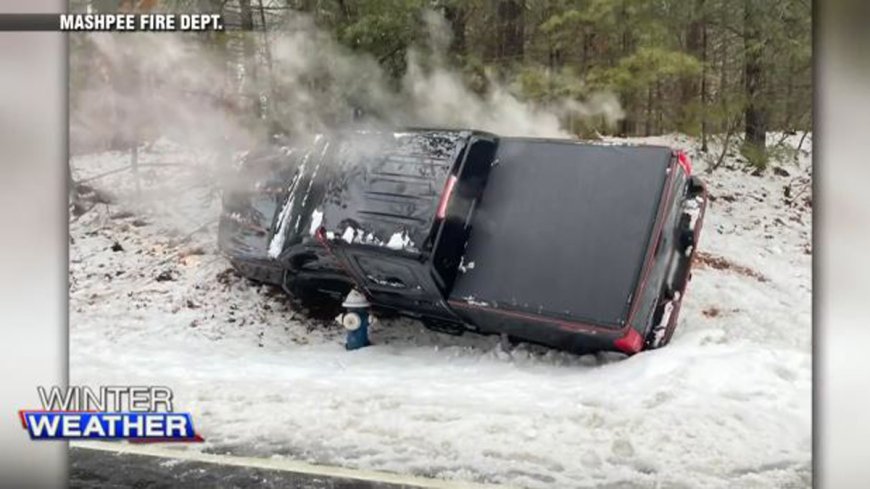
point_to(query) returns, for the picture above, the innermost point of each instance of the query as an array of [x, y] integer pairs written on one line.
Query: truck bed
[[563, 229]]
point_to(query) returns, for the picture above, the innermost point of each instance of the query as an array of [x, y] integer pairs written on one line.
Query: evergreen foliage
[[702, 67]]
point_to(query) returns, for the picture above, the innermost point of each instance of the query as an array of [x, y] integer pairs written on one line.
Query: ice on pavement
[[726, 404]]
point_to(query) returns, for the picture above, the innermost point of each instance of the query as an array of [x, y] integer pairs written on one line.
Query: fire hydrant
[[356, 320]]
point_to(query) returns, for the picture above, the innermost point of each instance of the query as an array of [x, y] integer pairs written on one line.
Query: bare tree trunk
[[789, 123], [647, 127], [627, 124], [511, 29], [723, 86], [660, 113], [584, 60], [753, 72], [455, 14], [345, 9], [732, 128], [270, 112], [690, 86], [250, 61], [704, 88], [800, 145]]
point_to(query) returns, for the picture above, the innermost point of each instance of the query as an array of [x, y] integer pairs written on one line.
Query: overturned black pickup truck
[[578, 246]]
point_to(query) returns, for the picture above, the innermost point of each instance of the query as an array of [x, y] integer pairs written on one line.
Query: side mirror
[[694, 187]]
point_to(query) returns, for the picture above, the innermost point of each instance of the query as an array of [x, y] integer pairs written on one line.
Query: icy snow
[[316, 221], [726, 404], [349, 234], [399, 241], [276, 245], [474, 301]]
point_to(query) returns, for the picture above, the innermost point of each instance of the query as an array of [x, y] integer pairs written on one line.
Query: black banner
[[114, 22]]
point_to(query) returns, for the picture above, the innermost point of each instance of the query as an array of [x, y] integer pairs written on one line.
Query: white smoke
[[439, 96], [143, 86]]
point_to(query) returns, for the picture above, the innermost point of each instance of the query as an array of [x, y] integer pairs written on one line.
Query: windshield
[[455, 228]]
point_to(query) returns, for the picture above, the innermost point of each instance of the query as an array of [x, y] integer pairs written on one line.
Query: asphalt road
[[101, 469]]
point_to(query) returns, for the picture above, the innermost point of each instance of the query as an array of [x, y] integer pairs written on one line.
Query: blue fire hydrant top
[[356, 320]]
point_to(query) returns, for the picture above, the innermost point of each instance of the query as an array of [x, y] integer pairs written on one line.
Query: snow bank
[[727, 404]]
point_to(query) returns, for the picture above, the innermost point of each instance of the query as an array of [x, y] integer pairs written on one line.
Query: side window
[[476, 169]]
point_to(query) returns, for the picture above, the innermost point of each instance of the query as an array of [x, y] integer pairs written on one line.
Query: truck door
[[393, 279]]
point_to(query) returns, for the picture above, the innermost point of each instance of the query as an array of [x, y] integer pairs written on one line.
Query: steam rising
[[139, 87]]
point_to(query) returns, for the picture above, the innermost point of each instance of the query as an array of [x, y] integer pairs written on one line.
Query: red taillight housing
[[630, 343], [441, 213], [320, 235], [684, 162]]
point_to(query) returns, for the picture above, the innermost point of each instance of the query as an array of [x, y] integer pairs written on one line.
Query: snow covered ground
[[727, 404]]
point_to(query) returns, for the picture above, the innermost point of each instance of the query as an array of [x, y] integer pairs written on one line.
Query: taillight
[[445, 197], [320, 235], [684, 162], [630, 343]]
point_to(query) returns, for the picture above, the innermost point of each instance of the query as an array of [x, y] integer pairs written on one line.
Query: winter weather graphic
[[137, 413]]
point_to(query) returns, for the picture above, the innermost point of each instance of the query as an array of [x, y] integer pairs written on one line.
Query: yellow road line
[[279, 464]]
